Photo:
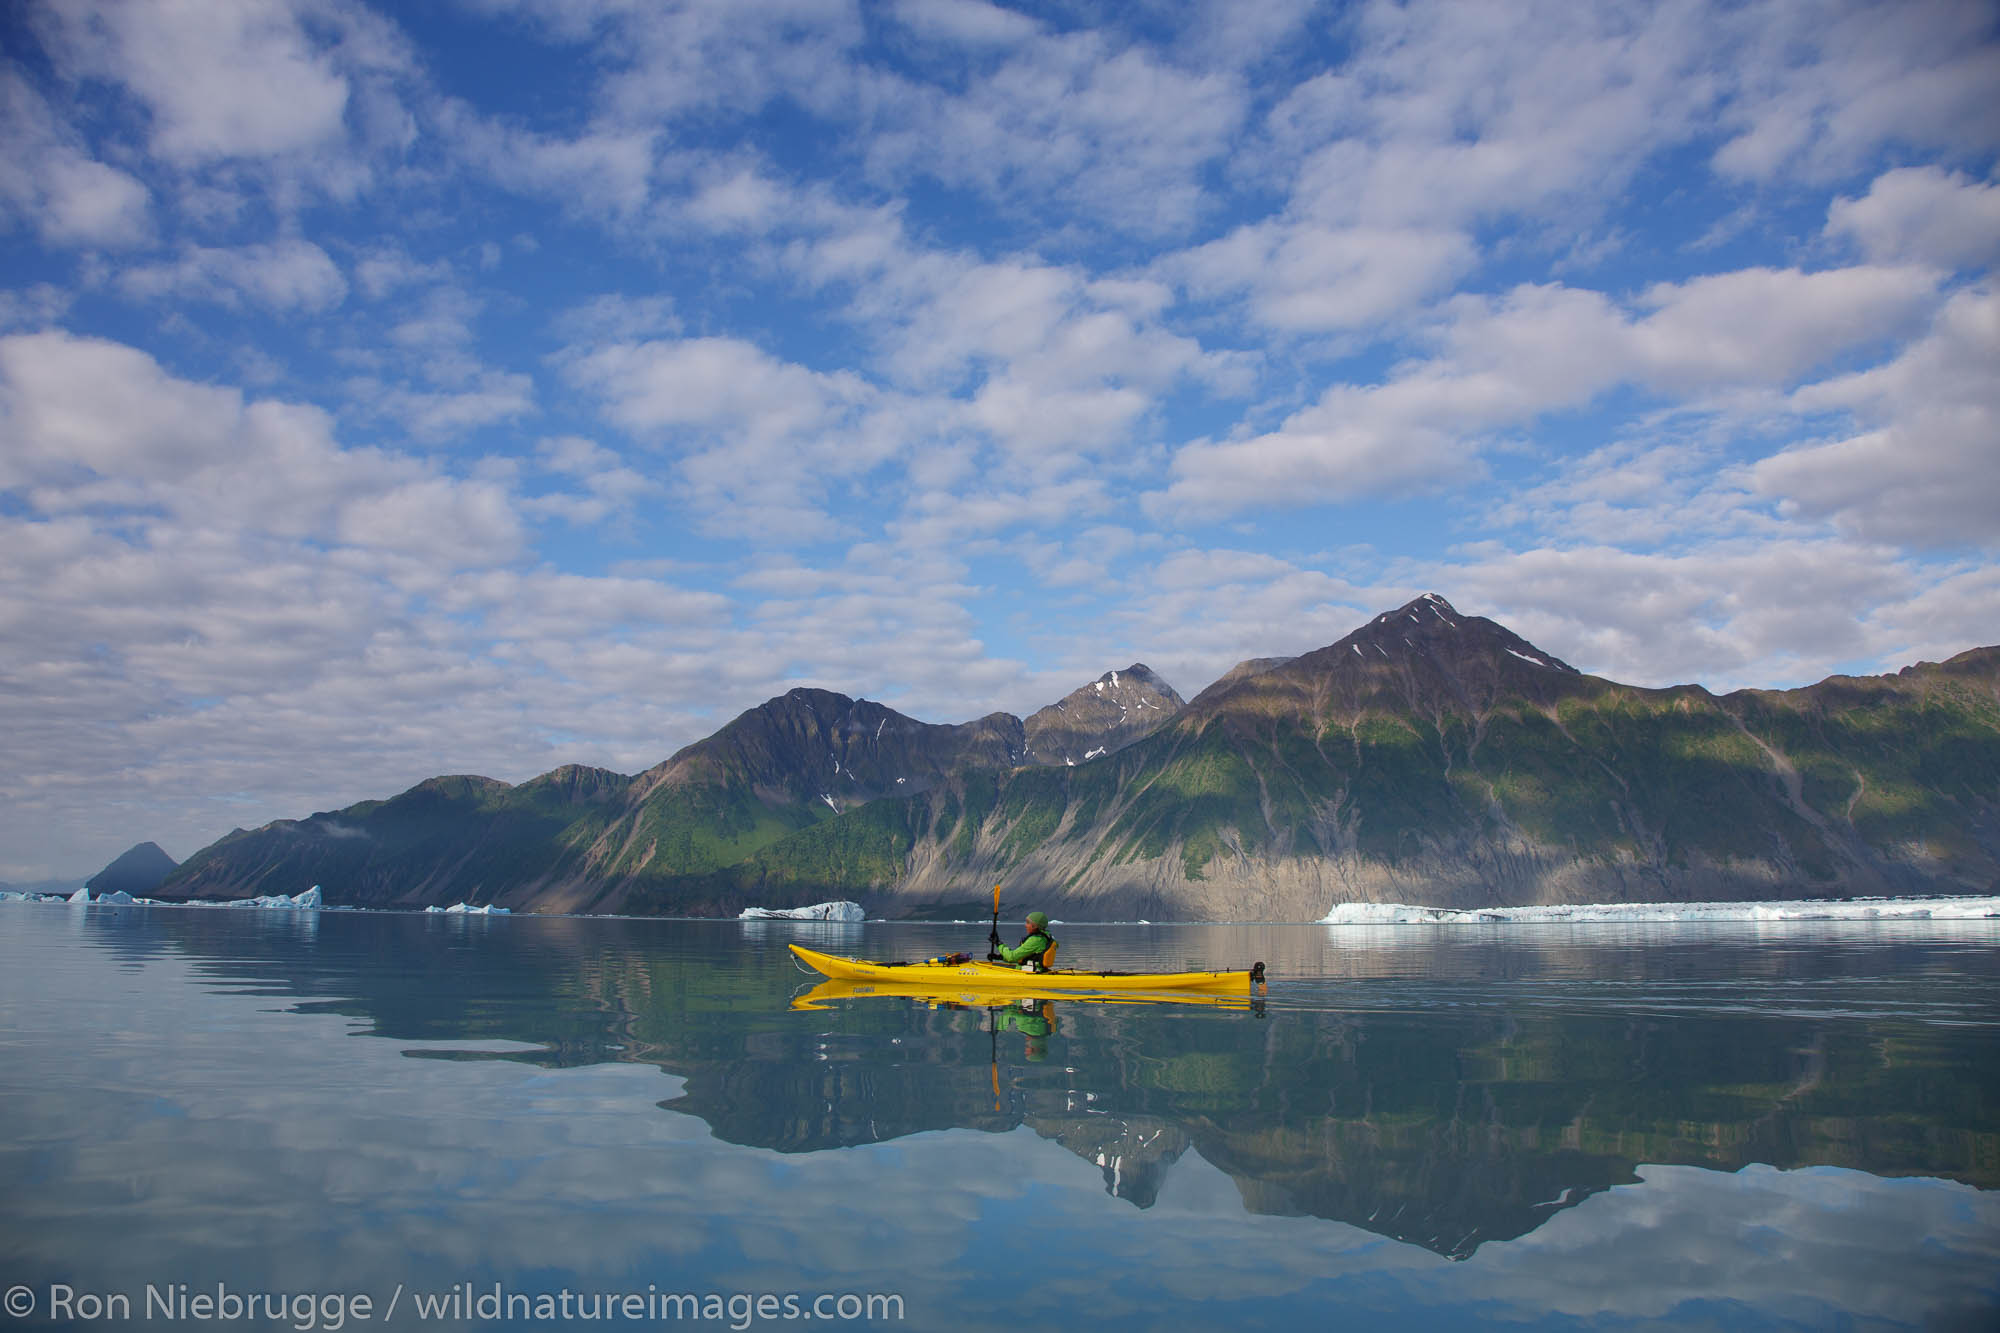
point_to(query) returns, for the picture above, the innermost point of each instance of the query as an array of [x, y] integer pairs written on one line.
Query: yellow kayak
[[1060, 981], [940, 992]]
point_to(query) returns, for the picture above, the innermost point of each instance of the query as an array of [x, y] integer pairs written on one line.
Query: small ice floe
[[309, 901], [82, 895], [839, 911], [467, 909], [115, 898], [1856, 909]]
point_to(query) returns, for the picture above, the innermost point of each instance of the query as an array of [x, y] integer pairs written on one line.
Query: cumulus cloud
[[1312, 277], [1813, 93], [1921, 471], [215, 582], [290, 274], [1123, 133], [220, 80], [295, 100], [1504, 362], [1923, 215], [49, 180]]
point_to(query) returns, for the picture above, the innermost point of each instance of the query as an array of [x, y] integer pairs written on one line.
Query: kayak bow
[[976, 975]]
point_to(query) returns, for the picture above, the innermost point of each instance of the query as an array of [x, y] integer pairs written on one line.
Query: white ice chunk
[[467, 909], [82, 895], [310, 900], [116, 898], [835, 911], [1858, 909]]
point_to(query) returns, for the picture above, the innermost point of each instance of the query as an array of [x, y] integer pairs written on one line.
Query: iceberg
[[840, 911], [115, 898], [82, 895], [310, 900], [1854, 909], [467, 909]]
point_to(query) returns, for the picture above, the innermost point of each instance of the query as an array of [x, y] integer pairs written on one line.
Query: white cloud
[[1505, 362], [966, 23], [216, 584], [49, 180], [220, 78], [1758, 612], [1769, 326], [1926, 470], [1115, 131], [604, 172], [610, 487], [291, 274], [758, 439], [1310, 277], [1449, 112], [387, 268], [1049, 362], [1814, 92], [616, 318], [712, 382], [1923, 215], [38, 307]]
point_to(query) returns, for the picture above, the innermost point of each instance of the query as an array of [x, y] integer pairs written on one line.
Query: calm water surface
[[1693, 1126]]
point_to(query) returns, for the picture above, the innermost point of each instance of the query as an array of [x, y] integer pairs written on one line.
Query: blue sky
[[478, 387]]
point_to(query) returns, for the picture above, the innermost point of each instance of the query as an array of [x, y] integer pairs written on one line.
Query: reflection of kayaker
[[1033, 1021]]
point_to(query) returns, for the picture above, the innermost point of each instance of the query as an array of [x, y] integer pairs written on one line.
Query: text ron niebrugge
[[332, 1311]]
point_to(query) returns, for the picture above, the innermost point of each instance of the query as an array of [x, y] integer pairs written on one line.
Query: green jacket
[[1034, 946]]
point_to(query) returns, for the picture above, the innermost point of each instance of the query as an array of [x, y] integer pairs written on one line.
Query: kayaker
[[1029, 954]]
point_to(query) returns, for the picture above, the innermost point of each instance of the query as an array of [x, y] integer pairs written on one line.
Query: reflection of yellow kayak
[[993, 976], [940, 991]]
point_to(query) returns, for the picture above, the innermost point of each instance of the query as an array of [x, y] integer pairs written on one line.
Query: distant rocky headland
[[1427, 758]]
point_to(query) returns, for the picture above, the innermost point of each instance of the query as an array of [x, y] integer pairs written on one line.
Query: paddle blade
[[996, 900]]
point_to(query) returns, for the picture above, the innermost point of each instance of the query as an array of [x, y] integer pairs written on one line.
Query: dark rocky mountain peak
[[1426, 659], [1432, 626], [1102, 717], [1423, 659], [137, 871], [817, 746]]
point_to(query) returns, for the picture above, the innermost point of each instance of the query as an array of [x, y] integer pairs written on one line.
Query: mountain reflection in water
[[1440, 1086]]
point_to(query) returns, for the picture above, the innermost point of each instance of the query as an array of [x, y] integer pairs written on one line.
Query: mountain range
[[1428, 757]]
